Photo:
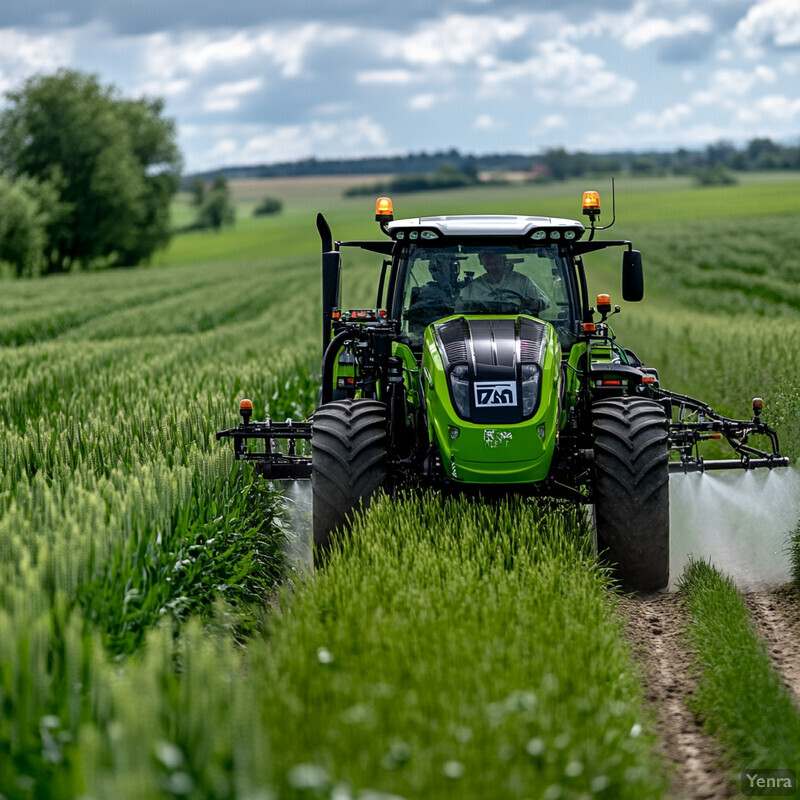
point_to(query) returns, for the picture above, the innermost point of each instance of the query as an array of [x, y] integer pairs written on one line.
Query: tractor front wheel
[[631, 492], [349, 463]]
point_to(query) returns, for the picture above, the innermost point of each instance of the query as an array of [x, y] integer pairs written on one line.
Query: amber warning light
[[591, 204], [383, 209], [246, 410]]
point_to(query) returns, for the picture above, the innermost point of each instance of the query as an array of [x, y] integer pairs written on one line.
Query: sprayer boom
[[697, 422], [270, 462]]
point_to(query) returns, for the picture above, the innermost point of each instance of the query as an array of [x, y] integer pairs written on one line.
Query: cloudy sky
[[262, 81]]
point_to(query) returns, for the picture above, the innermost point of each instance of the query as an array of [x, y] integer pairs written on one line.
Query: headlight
[[531, 375], [459, 383]]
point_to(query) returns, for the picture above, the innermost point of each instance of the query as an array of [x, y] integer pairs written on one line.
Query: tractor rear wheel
[[349, 463], [631, 492]]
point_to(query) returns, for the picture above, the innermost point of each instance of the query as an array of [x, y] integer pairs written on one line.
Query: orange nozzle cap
[[384, 212]]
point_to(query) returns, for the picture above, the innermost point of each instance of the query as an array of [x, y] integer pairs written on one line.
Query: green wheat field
[[154, 644]]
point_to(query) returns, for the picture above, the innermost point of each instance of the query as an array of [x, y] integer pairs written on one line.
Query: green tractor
[[484, 368]]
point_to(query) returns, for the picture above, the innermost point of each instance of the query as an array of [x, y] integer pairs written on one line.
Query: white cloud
[[641, 25], [486, 122], [778, 107], [553, 122], [23, 54], [422, 102], [292, 142], [771, 22], [728, 84], [668, 119], [167, 54], [455, 39], [643, 30], [228, 96], [168, 88], [562, 73], [391, 77]]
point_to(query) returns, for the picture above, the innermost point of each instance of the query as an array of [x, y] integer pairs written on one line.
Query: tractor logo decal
[[493, 438], [494, 394]]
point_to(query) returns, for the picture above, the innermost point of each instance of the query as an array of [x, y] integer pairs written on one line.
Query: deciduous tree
[[114, 161]]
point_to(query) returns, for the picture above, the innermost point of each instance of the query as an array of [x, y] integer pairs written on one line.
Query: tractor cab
[[467, 276]]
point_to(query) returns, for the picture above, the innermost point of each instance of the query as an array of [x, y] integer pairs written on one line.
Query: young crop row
[[729, 266], [743, 701], [449, 649], [119, 510]]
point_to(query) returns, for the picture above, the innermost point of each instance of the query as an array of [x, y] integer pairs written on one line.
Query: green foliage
[[215, 208], [446, 177], [716, 175], [26, 209], [268, 205], [742, 699], [794, 551], [114, 163]]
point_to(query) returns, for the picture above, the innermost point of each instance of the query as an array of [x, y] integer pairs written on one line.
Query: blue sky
[[261, 82]]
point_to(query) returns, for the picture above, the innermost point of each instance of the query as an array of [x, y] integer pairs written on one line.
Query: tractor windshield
[[487, 279]]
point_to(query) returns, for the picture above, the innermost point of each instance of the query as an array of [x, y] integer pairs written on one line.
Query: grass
[[448, 650], [743, 701]]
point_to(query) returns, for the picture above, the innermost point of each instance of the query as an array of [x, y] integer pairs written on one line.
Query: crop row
[[730, 266], [743, 701], [119, 510], [449, 649]]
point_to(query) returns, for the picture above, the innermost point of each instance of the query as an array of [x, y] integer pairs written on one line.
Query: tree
[[268, 205], [26, 209], [114, 162], [217, 208]]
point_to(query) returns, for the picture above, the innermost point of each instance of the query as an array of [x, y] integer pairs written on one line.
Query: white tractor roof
[[484, 224]]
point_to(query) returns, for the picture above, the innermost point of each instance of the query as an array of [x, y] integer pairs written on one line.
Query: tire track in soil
[[654, 625], [776, 616]]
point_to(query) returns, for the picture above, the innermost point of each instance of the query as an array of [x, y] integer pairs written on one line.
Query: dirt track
[[654, 624], [777, 619]]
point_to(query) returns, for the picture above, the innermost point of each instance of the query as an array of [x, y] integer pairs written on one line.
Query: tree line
[[555, 163]]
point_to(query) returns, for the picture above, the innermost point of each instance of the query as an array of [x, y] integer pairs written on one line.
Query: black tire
[[631, 492], [349, 463]]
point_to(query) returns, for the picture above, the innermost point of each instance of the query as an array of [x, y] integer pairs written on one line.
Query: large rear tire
[[631, 493], [349, 463]]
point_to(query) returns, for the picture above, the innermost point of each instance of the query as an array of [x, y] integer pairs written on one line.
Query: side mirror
[[632, 276]]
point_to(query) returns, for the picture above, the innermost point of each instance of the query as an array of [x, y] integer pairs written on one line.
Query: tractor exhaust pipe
[[331, 275]]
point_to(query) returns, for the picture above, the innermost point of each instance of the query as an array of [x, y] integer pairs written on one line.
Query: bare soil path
[[654, 623], [776, 616]]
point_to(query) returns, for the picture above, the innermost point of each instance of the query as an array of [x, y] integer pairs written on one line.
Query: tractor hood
[[493, 366]]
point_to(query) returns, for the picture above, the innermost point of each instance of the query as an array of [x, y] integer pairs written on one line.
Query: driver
[[500, 285], [436, 298]]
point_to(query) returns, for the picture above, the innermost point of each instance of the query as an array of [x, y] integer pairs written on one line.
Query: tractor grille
[[532, 337], [453, 336]]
